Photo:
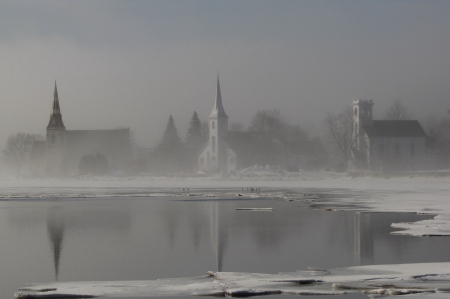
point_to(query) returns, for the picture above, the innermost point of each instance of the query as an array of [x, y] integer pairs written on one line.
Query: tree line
[[172, 154]]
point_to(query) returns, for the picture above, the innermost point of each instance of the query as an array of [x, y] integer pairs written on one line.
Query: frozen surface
[[426, 279], [419, 193]]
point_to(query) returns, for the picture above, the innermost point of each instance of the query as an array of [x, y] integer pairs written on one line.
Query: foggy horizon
[[132, 64]]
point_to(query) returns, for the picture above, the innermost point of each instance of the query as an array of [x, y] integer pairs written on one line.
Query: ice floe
[[427, 279]]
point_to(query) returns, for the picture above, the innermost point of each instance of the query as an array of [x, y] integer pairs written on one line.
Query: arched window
[[355, 111], [213, 125]]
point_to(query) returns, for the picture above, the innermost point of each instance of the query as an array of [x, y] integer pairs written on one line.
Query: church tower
[[214, 157], [54, 152], [218, 129], [362, 116]]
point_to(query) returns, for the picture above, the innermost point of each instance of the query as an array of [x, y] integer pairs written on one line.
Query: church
[[386, 145], [63, 150], [231, 151]]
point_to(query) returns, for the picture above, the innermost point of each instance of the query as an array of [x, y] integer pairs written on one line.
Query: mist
[[134, 64]]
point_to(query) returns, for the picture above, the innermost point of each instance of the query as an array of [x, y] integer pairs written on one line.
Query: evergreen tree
[[171, 139], [169, 154], [194, 135], [194, 141]]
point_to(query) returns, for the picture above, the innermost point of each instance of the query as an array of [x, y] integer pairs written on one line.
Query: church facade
[[217, 155], [62, 150], [231, 151], [386, 145]]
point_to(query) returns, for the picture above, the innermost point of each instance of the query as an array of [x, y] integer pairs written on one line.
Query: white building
[[386, 144], [217, 155]]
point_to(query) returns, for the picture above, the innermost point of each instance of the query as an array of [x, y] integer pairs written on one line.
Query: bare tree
[[267, 122], [18, 148], [237, 127], [398, 111], [438, 131], [339, 130]]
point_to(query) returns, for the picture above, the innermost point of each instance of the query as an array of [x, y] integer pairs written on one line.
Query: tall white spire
[[218, 111]]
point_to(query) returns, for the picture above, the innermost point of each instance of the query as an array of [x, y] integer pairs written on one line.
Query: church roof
[[395, 128], [218, 111], [56, 121]]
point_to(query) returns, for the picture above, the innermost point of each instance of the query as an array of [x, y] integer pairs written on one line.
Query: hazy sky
[[133, 63]]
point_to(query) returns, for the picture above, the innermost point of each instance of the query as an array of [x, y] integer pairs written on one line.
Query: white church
[[386, 145], [231, 151], [217, 155]]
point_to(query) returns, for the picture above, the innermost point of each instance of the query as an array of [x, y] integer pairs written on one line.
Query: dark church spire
[[56, 121], [218, 110]]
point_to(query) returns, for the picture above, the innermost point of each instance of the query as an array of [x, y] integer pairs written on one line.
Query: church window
[[356, 111], [397, 151], [213, 125], [53, 138], [213, 143]]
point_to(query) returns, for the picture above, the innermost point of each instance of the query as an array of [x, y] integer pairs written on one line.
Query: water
[[150, 238]]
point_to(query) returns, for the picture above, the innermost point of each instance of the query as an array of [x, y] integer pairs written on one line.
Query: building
[[62, 151], [231, 151], [381, 145]]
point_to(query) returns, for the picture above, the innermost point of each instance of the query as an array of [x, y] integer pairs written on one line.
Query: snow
[[426, 279]]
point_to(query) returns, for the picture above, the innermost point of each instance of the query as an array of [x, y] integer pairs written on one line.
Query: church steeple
[[56, 121], [218, 111]]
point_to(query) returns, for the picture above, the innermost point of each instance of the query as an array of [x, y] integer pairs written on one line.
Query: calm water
[[150, 238]]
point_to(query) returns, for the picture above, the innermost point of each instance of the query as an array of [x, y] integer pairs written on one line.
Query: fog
[[132, 64]]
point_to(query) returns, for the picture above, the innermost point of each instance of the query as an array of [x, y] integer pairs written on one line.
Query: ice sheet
[[400, 279]]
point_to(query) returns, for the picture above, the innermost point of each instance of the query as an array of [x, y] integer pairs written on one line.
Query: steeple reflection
[[55, 229]]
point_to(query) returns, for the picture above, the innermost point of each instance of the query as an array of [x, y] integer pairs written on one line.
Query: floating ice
[[428, 279]]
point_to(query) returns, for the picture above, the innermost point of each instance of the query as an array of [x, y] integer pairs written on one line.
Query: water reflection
[[155, 238], [55, 229]]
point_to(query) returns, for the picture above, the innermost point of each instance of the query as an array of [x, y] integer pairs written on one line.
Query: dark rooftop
[[395, 128]]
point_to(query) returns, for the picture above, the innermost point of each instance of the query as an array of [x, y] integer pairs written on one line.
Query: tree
[[339, 131], [194, 141], [438, 131], [169, 154], [194, 134], [237, 127], [291, 140], [18, 148], [267, 122], [398, 111]]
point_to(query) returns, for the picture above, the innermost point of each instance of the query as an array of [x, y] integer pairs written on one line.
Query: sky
[[135, 63]]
